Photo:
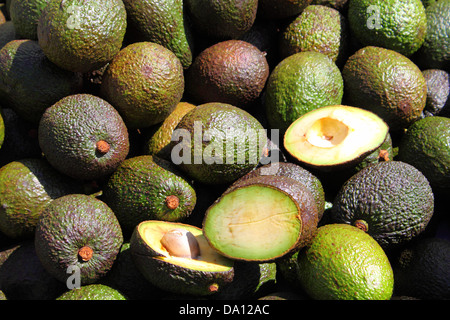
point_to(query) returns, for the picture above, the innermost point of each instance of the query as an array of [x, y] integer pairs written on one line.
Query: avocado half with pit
[[335, 136], [177, 258], [261, 218]]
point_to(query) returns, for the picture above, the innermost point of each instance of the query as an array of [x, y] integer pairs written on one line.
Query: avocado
[[23, 277], [93, 292], [7, 33], [82, 36], [438, 92], [148, 188], [222, 20], [2, 129], [434, 53], [300, 83], [83, 136], [163, 22], [385, 152], [345, 263], [177, 258], [387, 83], [157, 138], [336, 4], [296, 172], [426, 146], [231, 71], [78, 238], [392, 201], [20, 139], [397, 25], [144, 82], [335, 136], [261, 218], [27, 186], [125, 277], [29, 82], [25, 15], [318, 28], [217, 143], [281, 9], [421, 269]]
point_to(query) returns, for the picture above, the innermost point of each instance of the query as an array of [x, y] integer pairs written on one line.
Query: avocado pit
[[181, 243]]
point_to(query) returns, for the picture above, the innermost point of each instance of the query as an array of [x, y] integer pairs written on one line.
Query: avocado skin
[[93, 292], [393, 198], [69, 130], [232, 71], [137, 191], [25, 16], [222, 19], [421, 269], [7, 33], [163, 22], [29, 82], [71, 222], [223, 121], [295, 172], [297, 191], [426, 146], [173, 278], [396, 94], [27, 186], [144, 82], [88, 46], [438, 92]]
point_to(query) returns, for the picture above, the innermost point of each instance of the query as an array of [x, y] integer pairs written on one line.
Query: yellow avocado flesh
[[253, 223], [334, 135], [209, 260]]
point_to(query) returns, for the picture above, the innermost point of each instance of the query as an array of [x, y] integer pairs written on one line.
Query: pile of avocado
[[224, 150]]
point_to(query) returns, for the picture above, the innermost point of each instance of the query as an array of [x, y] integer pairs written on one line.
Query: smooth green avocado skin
[[426, 146], [82, 37], [393, 198]]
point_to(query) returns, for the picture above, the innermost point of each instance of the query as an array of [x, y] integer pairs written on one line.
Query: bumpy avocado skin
[[426, 146], [29, 82], [163, 22], [393, 198], [138, 189], [25, 16], [27, 186], [210, 126], [70, 223], [92, 292], [222, 19], [82, 36], [387, 83], [70, 129], [144, 82]]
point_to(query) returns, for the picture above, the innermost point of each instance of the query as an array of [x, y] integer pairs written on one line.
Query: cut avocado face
[[177, 258], [261, 218], [334, 135]]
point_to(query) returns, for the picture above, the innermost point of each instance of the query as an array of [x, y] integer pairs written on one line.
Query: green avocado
[[7, 33], [82, 36], [177, 258], [83, 136], [77, 239], [438, 92], [217, 143], [222, 19], [144, 82], [90, 292], [387, 83], [426, 146], [147, 188], [163, 22], [392, 201], [29, 82], [25, 15]]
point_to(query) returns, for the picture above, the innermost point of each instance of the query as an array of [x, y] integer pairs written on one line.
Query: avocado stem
[[102, 146], [361, 224], [85, 253], [213, 287], [384, 155], [172, 202]]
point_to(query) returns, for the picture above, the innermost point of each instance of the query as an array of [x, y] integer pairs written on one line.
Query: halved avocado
[[261, 218], [334, 136], [176, 257]]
